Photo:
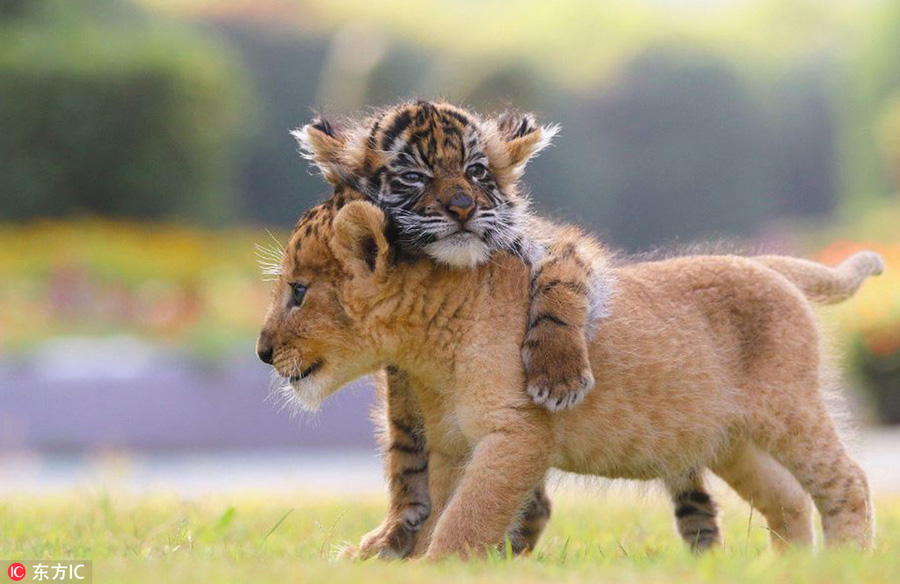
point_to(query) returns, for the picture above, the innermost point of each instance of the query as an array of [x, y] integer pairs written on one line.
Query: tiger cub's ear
[[522, 139], [322, 142]]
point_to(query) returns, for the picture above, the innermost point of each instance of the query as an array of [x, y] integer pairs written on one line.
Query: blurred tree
[[889, 138], [121, 120], [805, 145], [688, 150], [514, 85], [677, 147], [14, 8], [397, 76], [283, 71], [870, 80]]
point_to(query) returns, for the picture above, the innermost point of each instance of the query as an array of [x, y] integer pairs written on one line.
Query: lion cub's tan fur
[[703, 362]]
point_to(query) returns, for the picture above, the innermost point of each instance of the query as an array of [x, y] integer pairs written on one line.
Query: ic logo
[[16, 572]]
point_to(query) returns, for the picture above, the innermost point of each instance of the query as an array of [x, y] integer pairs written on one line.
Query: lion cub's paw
[[555, 378]]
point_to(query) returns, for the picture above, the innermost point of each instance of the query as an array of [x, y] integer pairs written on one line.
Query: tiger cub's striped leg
[[524, 535], [406, 469], [555, 354], [696, 514]]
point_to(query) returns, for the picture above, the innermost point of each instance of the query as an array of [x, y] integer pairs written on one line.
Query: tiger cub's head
[[446, 178]]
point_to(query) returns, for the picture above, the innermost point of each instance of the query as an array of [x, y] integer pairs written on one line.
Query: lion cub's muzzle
[[264, 349]]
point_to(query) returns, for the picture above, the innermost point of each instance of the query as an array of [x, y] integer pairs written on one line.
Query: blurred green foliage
[[679, 123], [869, 86], [106, 112]]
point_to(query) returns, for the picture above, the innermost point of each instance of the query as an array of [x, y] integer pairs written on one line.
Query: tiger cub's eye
[[477, 171], [412, 177]]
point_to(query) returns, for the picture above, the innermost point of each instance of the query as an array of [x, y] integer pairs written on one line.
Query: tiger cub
[[449, 183]]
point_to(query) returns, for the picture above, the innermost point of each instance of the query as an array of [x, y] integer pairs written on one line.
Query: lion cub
[[703, 362]]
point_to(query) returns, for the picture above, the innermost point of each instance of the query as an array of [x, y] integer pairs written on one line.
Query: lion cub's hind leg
[[811, 449], [774, 492], [696, 513], [565, 298]]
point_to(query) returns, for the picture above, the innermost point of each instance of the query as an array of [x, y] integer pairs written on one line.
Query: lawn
[[595, 536]]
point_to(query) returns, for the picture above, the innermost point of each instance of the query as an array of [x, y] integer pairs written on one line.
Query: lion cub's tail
[[827, 285]]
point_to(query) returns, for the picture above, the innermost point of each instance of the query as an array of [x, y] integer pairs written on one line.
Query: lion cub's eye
[[298, 291], [412, 176], [477, 171]]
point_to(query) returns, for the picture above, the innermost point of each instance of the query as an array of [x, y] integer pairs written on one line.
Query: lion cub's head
[[333, 269], [446, 178]]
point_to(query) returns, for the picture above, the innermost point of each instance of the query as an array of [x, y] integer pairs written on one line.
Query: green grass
[[601, 537]]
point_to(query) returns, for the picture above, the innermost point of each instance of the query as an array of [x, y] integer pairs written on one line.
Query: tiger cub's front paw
[[558, 375], [386, 542], [395, 537]]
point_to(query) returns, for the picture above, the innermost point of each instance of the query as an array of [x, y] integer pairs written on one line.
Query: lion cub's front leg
[[566, 296], [406, 468], [499, 478]]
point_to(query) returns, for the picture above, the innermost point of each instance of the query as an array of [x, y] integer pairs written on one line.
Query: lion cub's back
[[671, 363], [731, 306]]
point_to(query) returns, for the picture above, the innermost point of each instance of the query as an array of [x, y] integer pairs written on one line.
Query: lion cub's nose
[[264, 349], [461, 206]]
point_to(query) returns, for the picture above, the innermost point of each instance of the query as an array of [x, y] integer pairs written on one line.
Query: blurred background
[[144, 153]]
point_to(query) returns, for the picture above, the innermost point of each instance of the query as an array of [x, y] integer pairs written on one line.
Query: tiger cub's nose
[[461, 206]]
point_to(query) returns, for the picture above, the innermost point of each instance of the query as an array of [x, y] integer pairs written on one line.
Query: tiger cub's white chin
[[460, 250]]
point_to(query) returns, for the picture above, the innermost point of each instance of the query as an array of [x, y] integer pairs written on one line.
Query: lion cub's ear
[[323, 143], [359, 242], [522, 139]]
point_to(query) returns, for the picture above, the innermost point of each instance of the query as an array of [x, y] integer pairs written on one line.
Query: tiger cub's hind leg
[[406, 469], [696, 513], [524, 535], [565, 298]]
